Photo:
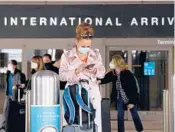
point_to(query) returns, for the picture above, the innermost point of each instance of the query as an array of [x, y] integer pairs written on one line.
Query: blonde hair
[[84, 28], [39, 61], [119, 62]]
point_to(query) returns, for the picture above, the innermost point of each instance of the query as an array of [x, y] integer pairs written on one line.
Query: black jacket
[[128, 84], [49, 66]]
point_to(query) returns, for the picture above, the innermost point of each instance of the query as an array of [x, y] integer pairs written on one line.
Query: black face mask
[[33, 71], [48, 64]]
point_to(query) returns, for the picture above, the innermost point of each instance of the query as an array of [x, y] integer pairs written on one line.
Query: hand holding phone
[[90, 66], [90, 69]]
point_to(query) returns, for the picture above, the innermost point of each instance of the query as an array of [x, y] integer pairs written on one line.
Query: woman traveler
[[37, 64], [127, 95], [73, 66]]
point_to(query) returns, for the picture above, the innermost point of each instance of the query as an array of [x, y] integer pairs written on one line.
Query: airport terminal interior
[[151, 86], [148, 52]]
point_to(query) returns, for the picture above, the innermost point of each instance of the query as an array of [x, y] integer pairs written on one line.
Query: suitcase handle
[[90, 125], [84, 81], [19, 94]]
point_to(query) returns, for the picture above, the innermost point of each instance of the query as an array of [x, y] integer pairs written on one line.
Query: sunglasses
[[86, 36]]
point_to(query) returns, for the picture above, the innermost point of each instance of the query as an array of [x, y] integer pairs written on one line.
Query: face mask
[[83, 50], [33, 71], [112, 66], [34, 65], [10, 68]]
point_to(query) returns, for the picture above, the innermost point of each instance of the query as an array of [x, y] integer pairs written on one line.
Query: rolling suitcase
[[80, 126], [15, 119], [105, 112]]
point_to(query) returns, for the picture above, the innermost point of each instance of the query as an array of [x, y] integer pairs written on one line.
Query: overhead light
[[3, 70], [134, 51], [49, 51], [125, 55], [134, 55]]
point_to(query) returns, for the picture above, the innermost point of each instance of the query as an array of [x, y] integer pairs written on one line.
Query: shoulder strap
[[71, 108], [80, 100], [28, 87]]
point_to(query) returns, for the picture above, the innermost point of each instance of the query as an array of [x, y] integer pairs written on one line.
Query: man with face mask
[[57, 65], [49, 65], [47, 58], [15, 78]]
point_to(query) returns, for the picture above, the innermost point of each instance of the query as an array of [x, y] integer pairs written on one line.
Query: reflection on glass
[[151, 87], [122, 53], [13, 54]]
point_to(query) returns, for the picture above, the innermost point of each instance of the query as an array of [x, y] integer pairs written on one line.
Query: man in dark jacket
[[54, 66], [58, 55], [49, 65], [15, 79]]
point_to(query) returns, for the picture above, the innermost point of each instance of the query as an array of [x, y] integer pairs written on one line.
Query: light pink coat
[[70, 61]]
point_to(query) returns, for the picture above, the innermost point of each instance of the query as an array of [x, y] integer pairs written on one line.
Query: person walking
[[15, 79], [126, 91]]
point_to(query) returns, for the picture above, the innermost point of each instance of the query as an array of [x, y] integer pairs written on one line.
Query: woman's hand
[[130, 106], [91, 70], [98, 81], [80, 69]]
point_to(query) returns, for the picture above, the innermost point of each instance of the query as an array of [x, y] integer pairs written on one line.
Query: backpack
[[72, 100]]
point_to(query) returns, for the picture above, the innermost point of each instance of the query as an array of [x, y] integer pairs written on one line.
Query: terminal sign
[[149, 68]]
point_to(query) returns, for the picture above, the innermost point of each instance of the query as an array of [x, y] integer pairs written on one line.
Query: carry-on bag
[[15, 118], [105, 112], [83, 111]]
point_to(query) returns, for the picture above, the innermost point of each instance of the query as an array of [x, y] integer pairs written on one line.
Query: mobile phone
[[90, 66]]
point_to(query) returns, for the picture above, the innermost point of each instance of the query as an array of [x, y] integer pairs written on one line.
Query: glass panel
[[5, 56], [124, 54], [151, 84]]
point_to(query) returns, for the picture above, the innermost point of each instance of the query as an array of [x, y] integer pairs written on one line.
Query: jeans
[[120, 108]]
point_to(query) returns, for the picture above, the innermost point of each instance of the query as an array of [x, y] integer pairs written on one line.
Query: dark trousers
[[121, 108]]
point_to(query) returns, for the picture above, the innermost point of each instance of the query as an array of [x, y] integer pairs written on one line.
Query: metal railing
[[166, 110]]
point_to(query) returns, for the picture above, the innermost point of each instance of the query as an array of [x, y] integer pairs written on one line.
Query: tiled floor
[[149, 126]]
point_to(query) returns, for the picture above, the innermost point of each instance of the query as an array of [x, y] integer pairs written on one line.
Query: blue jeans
[[121, 108]]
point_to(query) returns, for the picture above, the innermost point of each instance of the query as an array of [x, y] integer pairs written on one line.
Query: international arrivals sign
[[97, 21], [109, 21]]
